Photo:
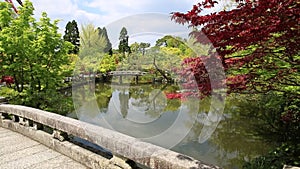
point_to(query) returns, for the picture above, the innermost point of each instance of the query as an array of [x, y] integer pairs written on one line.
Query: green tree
[[72, 35], [169, 41], [108, 46], [91, 42], [33, 52], [143, 47], [123, 44], [92, 46], [107, 64], [13, 5], [134, 47], [187, 47], [139, 47]]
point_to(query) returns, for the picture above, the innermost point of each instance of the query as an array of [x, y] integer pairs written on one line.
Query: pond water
[[189, 126]]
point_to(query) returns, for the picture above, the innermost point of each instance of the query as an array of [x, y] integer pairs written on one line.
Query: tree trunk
[[161, 72]]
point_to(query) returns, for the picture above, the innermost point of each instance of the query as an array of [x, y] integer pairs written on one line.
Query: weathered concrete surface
[[18, 151], [77, 153], [3, 100], [290, 167]]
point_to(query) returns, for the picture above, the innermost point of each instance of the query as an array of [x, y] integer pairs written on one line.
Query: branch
[[161, 72], [13, 6], [20, 2]]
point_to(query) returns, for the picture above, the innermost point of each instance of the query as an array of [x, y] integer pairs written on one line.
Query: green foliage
[[188, 47], [92, 42], [138, 59], [285, 154], [135, 47], [92, 49], [104, 96], [143, 47], [273, 112], [185, 46], [5, 14], [107, 64], [169, 41], [108, 46], [276, 71], [72, 35], [170, 51], [68, 69], [168, 55], [8, 92], [278, 112], [139, 47], [196, 49], [277, 119], [123, 44], [32, 52]]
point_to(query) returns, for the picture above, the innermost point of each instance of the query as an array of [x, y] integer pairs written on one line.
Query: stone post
[[60, 135]]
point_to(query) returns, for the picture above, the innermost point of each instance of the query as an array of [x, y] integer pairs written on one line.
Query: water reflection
[[123, 102], [192, 125]]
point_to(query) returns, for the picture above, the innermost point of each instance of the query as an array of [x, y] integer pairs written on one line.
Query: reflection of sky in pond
[[113, 119], [126, 112]]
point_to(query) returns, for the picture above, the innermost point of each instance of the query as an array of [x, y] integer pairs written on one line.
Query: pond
[[188, 126]]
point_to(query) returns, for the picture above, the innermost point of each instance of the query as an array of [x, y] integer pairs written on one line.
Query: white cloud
[[103, 12], [107, 12], [144, 25], [116, 9], [55, 7]]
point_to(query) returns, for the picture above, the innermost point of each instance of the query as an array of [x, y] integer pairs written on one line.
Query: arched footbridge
[[32, 138], [121, 74]]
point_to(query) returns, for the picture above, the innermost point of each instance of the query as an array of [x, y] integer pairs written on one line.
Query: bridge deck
[[20, 152]]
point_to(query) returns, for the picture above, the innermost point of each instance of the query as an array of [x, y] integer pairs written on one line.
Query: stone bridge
[[135, 73], [54, 131]]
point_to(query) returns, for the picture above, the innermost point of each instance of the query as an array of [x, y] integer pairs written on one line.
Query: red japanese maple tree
[[257, 42]]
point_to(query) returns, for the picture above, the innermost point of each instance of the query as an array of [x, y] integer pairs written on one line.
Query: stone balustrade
[[290, 167], [126, 73], [126, 150], [3, 100]]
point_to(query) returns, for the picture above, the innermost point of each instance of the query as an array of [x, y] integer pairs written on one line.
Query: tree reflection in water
[[232, 143], [144, 111], [124, 101]]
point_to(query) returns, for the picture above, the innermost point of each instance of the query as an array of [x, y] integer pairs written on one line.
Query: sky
[[142, 18], [103, 12]]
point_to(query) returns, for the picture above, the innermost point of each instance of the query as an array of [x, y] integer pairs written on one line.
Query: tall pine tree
[[108, 46], [72, 35], [123, 44]]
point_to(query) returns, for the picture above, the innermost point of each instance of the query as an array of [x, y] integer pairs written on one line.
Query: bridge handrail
[[129, 73], [119, 144]]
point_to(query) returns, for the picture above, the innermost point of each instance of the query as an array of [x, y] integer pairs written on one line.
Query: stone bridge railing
[[127, 151], [127, 73]]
